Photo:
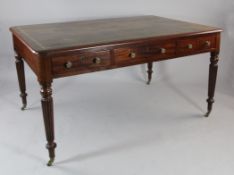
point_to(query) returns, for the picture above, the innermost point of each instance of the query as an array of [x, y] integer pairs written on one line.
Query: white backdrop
[[111, 122]]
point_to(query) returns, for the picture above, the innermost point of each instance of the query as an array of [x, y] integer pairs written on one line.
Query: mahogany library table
[[64, 49]]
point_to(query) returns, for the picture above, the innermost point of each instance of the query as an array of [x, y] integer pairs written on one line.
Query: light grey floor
[[110, 126]]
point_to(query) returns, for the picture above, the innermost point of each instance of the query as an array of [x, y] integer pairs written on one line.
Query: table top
[[55, 36]]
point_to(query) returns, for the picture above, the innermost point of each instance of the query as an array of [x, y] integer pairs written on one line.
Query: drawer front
[[79, 63], [196, 44], [206, 43], [187, 46], [144, 52]]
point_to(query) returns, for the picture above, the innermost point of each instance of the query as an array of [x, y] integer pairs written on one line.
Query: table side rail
[[133, 54]]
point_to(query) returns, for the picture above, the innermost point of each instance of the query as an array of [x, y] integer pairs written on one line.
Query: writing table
[[71, 48]]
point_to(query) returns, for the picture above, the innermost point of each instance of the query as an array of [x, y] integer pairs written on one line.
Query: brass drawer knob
[[190, 46], [97, 60], [68, 65], [132, 55], [163, 50], [208, 43]]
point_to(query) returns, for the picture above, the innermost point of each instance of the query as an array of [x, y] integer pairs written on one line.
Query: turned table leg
[[48, 116], [212, 80], [149, 71], [21, 79]]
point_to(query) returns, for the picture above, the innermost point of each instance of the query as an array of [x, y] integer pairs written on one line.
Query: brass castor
[[23, 107], [207, 114], [50, 162]]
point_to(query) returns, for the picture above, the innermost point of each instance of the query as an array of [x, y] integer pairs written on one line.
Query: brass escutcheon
[[97, 60], [163, 50], [132, 55], [190, 46], [68, 65]]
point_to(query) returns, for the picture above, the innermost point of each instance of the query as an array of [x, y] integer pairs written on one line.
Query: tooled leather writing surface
[[44, 37]]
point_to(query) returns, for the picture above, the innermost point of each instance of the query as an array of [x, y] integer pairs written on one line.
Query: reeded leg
[[212, 80], [149, 71], [47, 109], [21, 79]]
